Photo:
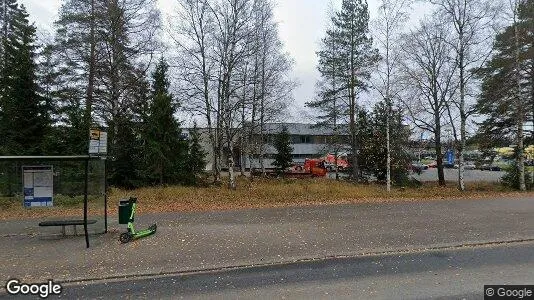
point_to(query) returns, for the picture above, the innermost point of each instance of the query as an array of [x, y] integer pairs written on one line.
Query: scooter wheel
[[125, 237]]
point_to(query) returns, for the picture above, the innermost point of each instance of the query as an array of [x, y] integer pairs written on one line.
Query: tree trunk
[[218, 143], [439, 160], [215, 166], [461, 158], [337, 169], [439, 154], [262, 109], [231, 183], [354, 147], [243, 130], [353, 113], [388, 141], [388, 163], [355, 169], [520, 110], [262, 142], [92, 62], [388, 103], [520, 150], [242, 157], [463, 118]]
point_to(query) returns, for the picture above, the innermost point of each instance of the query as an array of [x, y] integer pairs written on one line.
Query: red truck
[[312, 167], [342, 162]]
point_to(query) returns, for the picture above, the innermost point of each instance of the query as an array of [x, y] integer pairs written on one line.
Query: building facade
[[307, 141]]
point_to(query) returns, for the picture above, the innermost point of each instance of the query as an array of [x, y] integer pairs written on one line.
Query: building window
[[305, 139]]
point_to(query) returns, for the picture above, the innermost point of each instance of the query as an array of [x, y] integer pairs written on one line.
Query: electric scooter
[[126, 216]]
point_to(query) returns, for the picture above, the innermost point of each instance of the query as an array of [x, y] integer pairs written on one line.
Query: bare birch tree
[[471, 42], [233, 72], [520, 119], [392, 17], [428, 80], [192, 32]]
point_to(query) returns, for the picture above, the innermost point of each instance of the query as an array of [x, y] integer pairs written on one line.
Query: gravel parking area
[[452, 175]]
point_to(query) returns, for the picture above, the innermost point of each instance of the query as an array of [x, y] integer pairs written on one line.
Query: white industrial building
[[307, 140]]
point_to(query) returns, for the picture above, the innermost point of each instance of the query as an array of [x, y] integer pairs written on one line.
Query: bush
[[511, 178]]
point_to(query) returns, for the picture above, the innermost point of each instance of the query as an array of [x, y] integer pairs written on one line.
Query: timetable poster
[[38, 182]]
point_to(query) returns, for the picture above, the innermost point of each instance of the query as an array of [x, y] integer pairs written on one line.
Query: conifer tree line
[[103, 69], [463, 68], [112, 65]]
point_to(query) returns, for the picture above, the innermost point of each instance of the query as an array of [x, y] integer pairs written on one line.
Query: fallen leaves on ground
[[262, 193]]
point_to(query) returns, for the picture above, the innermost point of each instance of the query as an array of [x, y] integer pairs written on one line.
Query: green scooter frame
[[132, 234]]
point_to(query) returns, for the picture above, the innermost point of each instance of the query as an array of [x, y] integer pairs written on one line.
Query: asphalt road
[[455, 273], [213, 240]]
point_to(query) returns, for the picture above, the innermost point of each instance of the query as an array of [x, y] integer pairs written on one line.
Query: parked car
[[467, 166], [418, 167], [470, 165], [490, 167]]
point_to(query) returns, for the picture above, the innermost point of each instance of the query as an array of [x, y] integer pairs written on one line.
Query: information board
[[38, 185], [98, 142]]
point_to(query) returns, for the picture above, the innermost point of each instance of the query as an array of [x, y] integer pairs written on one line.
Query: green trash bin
[[125, 211]]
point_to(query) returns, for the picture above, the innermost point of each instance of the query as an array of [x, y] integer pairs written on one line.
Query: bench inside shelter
[[64, 223]]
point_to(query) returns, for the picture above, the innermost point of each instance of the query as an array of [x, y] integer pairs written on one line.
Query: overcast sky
[[301, 23]]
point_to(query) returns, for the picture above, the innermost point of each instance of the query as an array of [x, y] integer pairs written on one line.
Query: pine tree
[[166, 152], [329, 102], [98, 49], [283, 156], [24, 119], [348, 63]]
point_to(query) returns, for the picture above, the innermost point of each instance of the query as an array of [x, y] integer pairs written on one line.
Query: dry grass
[[269, 193]]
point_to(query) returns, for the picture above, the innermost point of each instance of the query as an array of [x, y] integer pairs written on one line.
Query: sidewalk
[[200, 241]]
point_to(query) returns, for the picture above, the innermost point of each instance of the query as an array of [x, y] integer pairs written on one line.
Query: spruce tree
[[129, 160], [196, 160], [124, 168], [365, 140], [498, 91], [508, 87], [399, 135], [166, 152], [69, 134], [283, 156], [24, 119]]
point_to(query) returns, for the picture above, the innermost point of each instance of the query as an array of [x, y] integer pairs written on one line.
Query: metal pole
[[105, 195], [85, 202]]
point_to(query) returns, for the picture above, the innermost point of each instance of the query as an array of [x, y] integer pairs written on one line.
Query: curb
[[118, 278]]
